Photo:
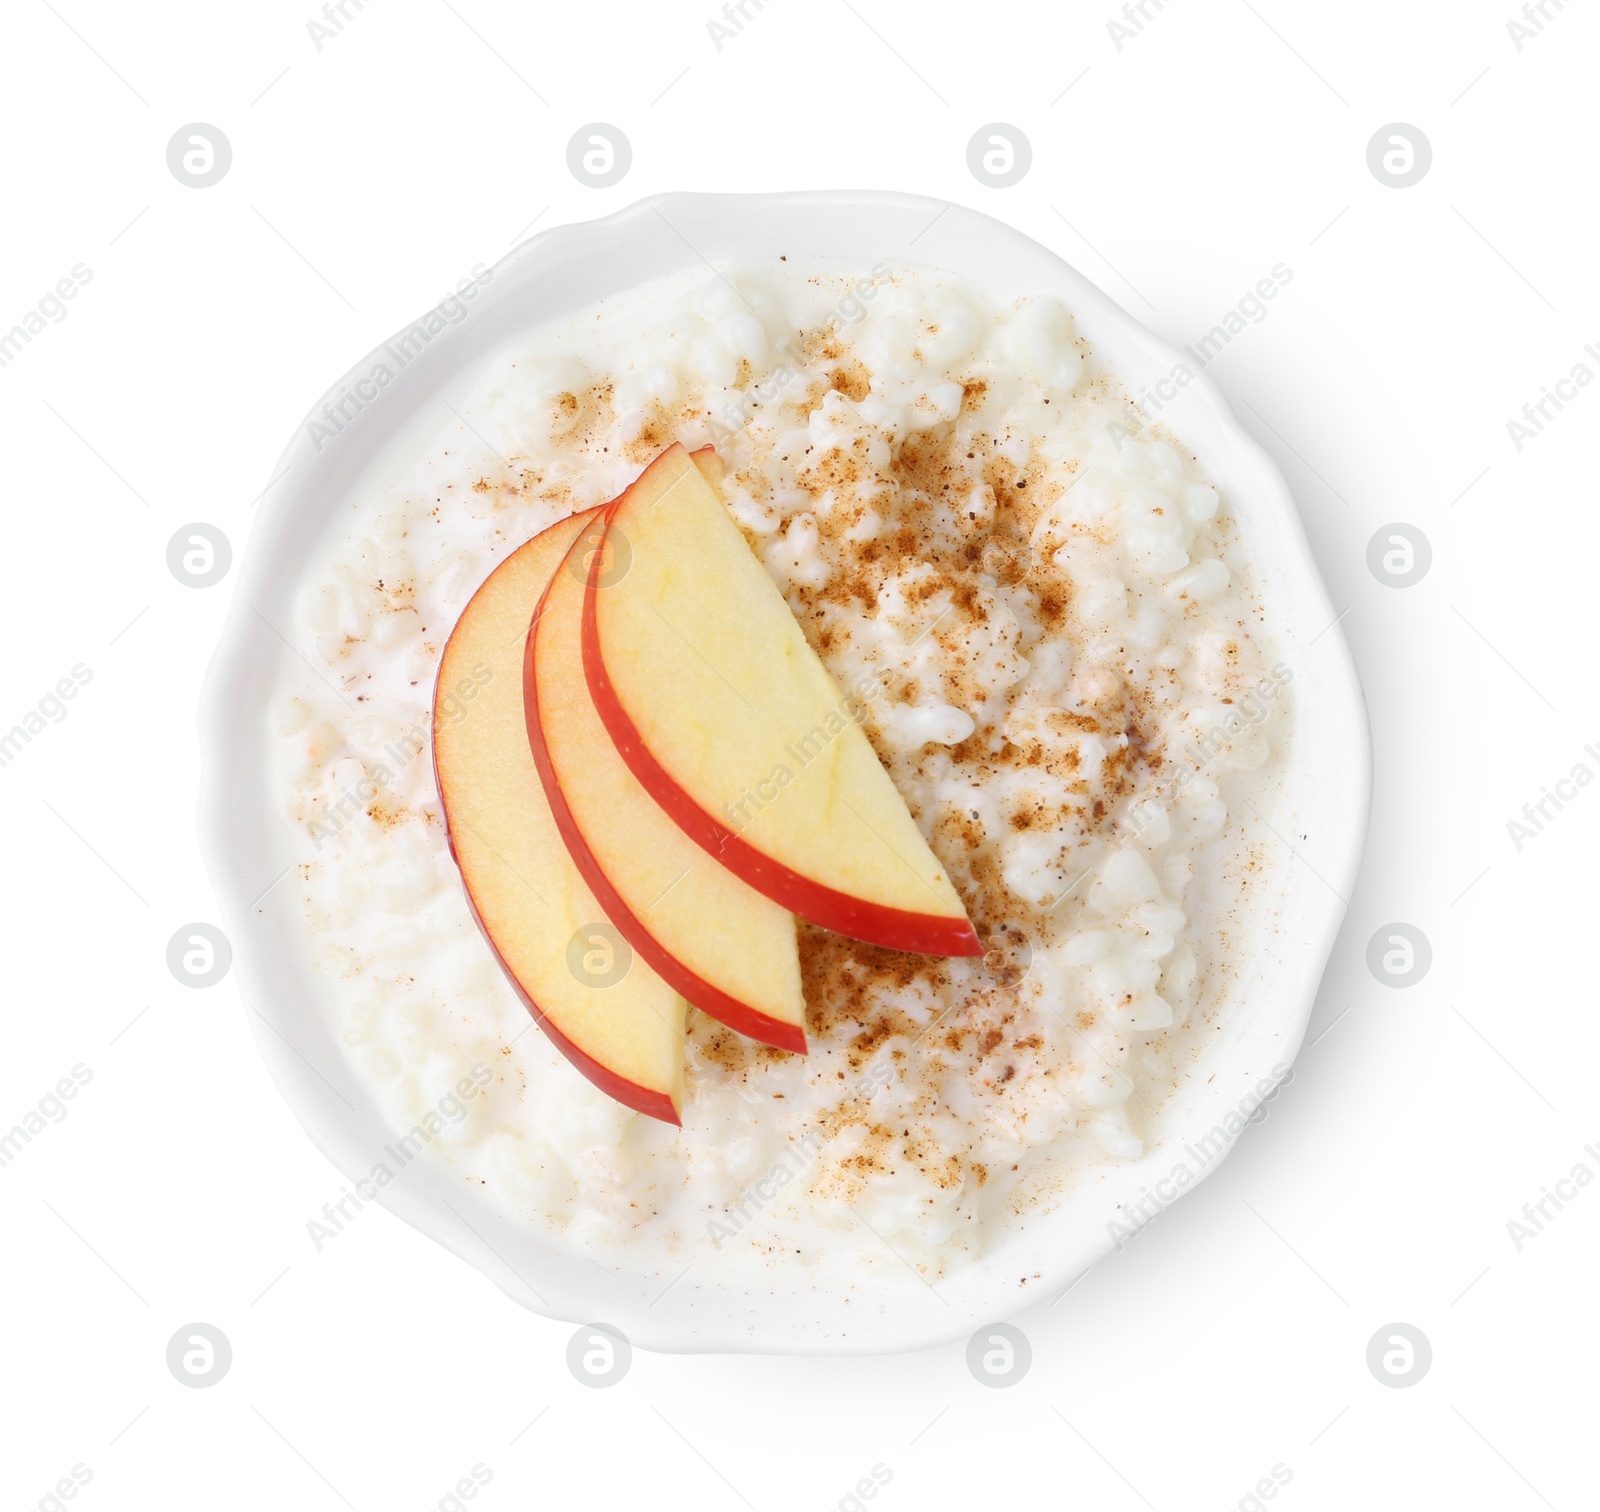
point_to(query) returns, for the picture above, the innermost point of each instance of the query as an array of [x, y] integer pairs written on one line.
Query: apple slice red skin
[[873, 923], [630, 1094], [704, 995]]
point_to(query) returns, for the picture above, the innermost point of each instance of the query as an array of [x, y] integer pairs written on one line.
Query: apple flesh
[[530, 900], [727, 948], [715, 700]]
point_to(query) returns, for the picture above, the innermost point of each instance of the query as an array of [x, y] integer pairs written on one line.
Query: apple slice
[[528, 897], [727, 948], [712, 695]]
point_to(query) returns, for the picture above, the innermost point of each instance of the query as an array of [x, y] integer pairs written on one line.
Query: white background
[[1224, 138]]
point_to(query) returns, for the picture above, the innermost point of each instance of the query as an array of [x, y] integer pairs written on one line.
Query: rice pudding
[[1045, 621]]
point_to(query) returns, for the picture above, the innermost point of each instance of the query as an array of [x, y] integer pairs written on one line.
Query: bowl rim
[[227, 844]]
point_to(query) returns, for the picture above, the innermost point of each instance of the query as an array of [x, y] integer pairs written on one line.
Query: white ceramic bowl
[[246, 837]]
